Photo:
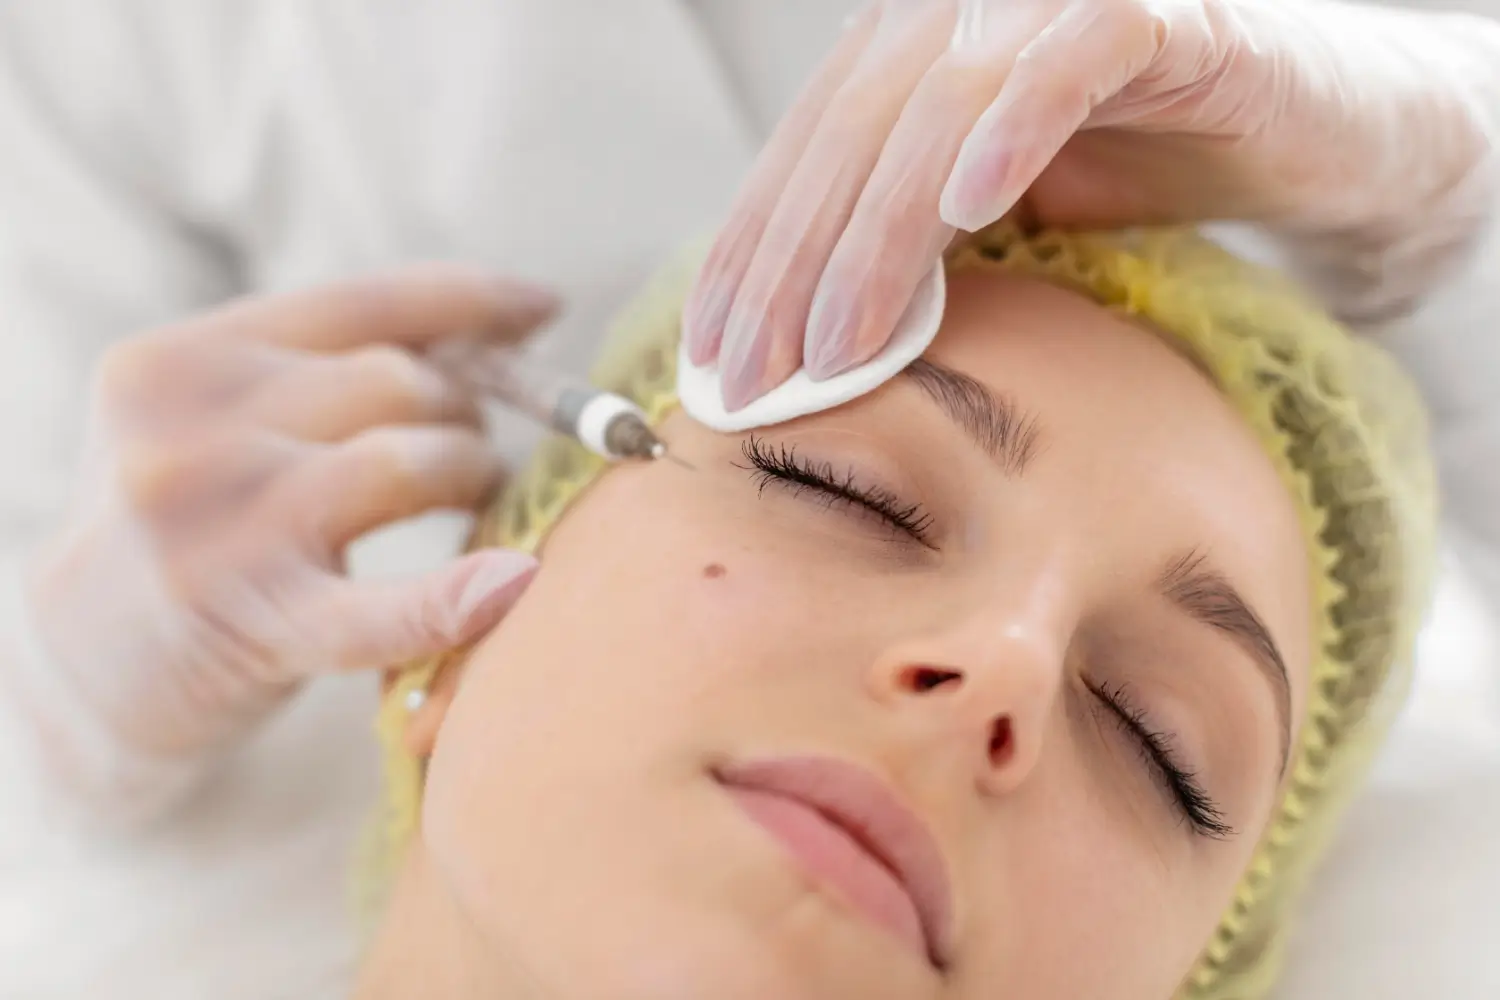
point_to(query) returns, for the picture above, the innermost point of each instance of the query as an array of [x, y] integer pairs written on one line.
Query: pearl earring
[[415, 699]]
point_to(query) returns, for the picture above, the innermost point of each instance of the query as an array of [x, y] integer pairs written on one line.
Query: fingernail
[[498, 581], [705, 318], [978, 190], [743, 364], [832, 323]]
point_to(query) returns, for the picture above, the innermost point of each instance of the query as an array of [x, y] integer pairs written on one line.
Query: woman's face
[[980, 686]]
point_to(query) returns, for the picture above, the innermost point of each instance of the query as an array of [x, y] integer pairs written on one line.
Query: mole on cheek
[[713, 571]]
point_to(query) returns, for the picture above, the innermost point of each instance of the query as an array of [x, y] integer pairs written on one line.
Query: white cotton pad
[[698, 386]]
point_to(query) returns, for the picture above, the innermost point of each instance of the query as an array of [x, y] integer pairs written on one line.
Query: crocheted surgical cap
[[1339, 421]]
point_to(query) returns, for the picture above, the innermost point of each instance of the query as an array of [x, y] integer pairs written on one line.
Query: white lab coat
[[157, 156]]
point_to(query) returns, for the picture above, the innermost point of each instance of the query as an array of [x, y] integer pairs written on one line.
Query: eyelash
[[1159, 753], [782, 465]]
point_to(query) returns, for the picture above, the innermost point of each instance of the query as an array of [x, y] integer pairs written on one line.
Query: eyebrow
[[1205, 594], [994, 422]]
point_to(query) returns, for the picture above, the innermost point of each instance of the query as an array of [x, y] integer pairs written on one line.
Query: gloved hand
[[932, 116], [229, 461]]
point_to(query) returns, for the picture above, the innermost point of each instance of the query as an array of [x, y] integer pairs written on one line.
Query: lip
[[870, 821]]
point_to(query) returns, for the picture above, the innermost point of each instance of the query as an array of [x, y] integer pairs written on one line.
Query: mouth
[[851, 833]]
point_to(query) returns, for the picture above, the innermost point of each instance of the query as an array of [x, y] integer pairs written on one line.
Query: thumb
[[383, 624]]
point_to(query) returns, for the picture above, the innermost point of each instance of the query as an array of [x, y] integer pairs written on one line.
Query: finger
[[707, 306], [762, 342], [195, 480], [332, 397], [169, 379], [381, 476], [1085, 57], [413, 307], [371, 625], [895, 234]]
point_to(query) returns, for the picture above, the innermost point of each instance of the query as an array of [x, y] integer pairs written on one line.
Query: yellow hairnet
[[1342, 425]]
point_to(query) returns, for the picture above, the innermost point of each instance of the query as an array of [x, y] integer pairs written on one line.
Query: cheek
[[1074, 900], [697, 572], [629, 621]]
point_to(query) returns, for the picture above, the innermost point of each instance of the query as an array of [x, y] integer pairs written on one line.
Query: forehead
[[1105, 388], [1020, 334]]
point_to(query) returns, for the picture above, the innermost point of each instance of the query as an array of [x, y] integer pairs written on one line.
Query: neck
[[427, 947]]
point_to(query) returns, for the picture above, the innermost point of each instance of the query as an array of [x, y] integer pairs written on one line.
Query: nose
[[985, 693]]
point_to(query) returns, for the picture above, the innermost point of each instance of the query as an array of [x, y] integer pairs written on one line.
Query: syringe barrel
[[547, 396]]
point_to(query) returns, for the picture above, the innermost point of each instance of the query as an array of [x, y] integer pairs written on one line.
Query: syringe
[[609, 425]]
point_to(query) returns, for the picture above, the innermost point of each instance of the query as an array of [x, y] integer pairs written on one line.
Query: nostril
[[923, 679], [1002, 743]]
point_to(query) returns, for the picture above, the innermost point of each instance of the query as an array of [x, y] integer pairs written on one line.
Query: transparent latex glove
[[934, 116], [229, 462]]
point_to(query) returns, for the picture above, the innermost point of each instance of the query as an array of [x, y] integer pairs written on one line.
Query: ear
[[422, 726]]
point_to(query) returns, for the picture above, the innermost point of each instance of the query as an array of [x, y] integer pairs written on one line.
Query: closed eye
[[1158, 751], [782, 465]]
